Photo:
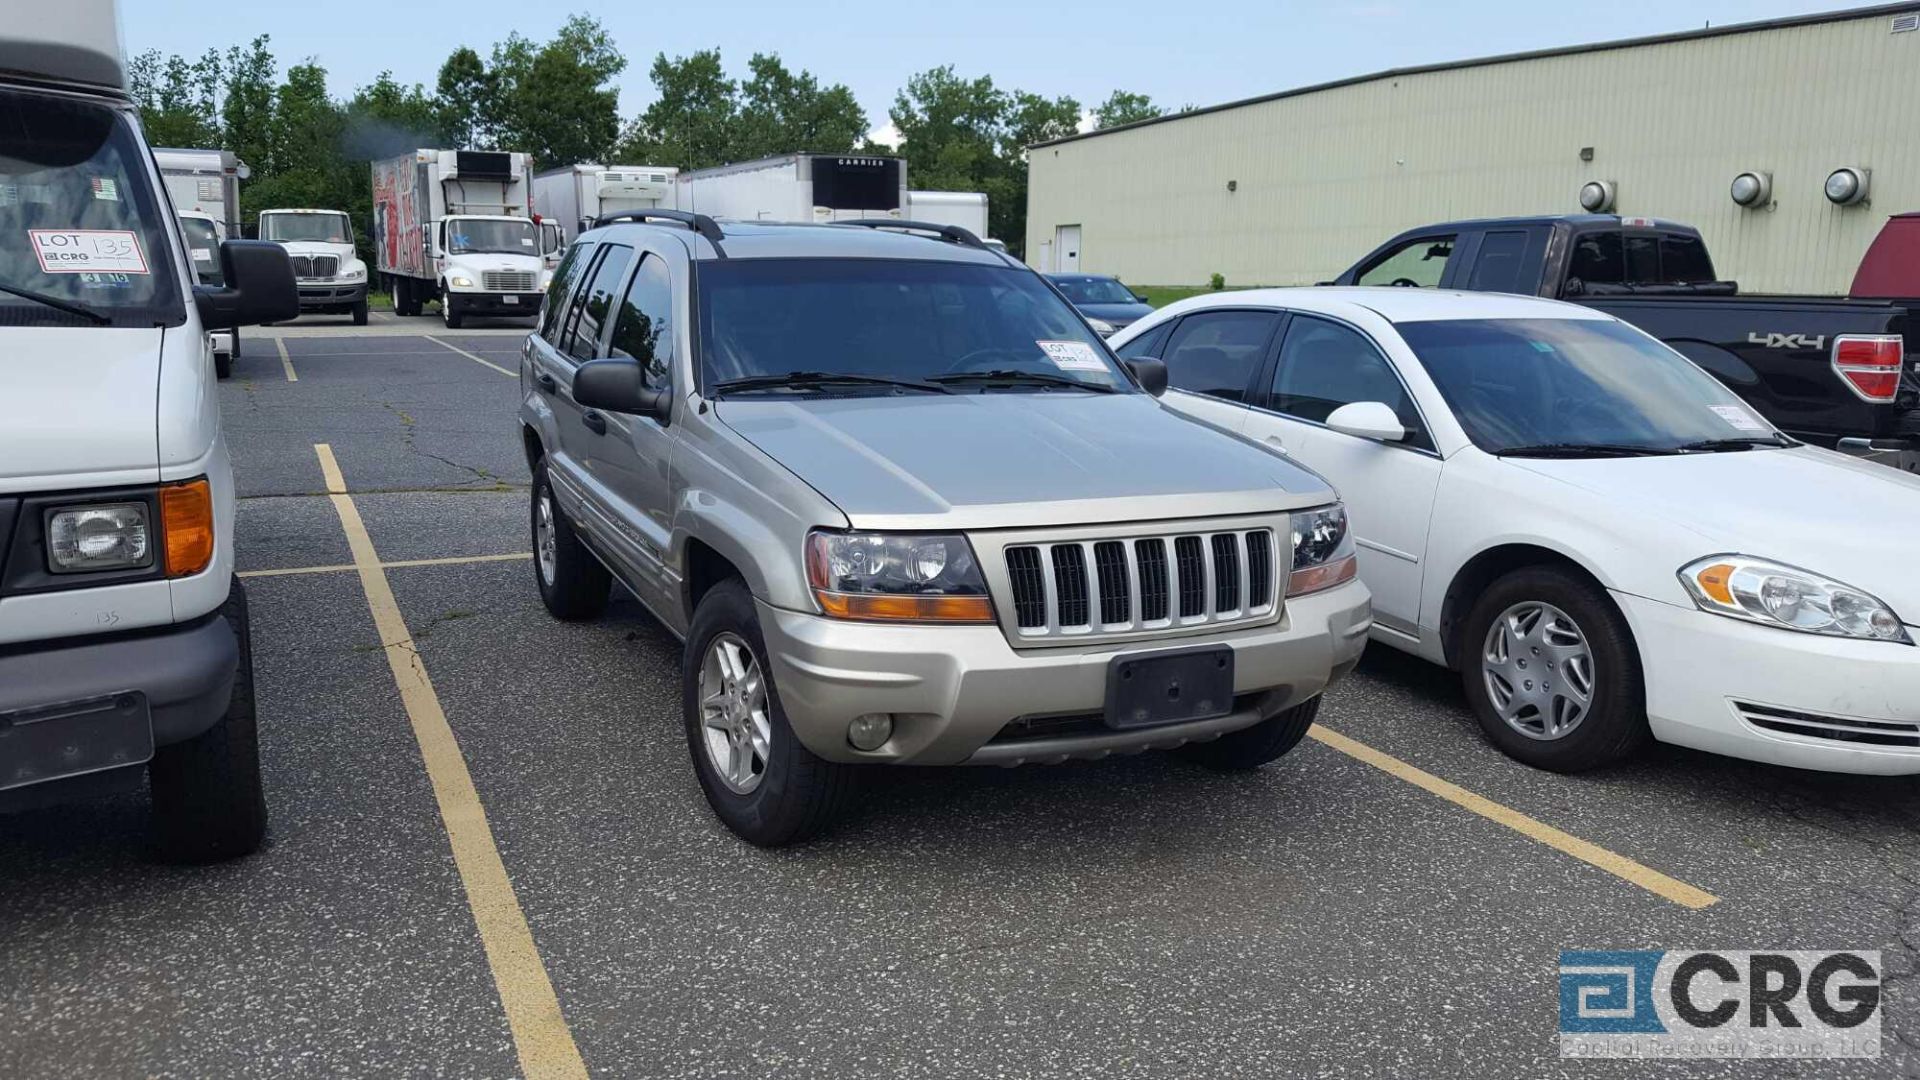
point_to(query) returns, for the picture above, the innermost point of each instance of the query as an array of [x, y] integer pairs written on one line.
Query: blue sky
[[1179, 53]]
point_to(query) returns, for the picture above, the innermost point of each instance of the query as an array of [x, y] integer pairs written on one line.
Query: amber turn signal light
[[884, 607], [186, 520]]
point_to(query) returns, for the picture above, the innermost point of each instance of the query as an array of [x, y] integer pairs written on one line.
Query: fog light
[[870, 731]]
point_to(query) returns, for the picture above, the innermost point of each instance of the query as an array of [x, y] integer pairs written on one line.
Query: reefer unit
[[799, 187], [574, 196]]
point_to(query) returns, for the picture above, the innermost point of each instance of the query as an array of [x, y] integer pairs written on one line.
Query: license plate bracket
[[1172, 687], [71, 738], [510, 299]]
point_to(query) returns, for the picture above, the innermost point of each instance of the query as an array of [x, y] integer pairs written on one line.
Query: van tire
[[799, 794], [208, 803], [574, 585], [1250, 748]]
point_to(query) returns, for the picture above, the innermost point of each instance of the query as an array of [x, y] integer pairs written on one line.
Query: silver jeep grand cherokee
[[904, 507]]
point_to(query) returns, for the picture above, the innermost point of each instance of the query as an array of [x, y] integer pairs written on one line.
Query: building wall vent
[[1904, 23]]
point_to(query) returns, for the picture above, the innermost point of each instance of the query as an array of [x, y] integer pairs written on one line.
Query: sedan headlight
[[462, 283], [1101, 326], [897, 577], [112, 536], [1755, 590], [1322, 550]]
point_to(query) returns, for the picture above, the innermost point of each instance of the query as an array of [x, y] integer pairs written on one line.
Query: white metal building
[[1292, 187]]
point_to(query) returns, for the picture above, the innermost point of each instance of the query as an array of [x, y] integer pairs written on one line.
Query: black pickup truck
[[1831, 371]]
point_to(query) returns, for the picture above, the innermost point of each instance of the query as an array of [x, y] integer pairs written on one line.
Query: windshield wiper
[[1746, 443], [1006, 377], [98, 318], [1578, 450], [808, 380]]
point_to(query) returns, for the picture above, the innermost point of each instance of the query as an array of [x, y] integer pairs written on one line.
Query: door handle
[[545, 382], [594, 421]]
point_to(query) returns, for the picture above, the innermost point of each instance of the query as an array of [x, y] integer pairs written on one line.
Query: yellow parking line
[[470, 356], [1620, 866], [285, 360], [540, 1032], [387, 565]]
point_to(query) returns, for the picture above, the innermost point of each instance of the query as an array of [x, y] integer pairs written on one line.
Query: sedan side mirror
[[1141, 298], [1367, 420], [1150, 372], [259, 287], [619, 385]]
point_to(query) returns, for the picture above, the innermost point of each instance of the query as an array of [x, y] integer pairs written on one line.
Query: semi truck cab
[[488, 265]]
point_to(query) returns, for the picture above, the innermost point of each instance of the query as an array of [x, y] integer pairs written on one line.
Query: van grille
[[507, 280], [315, 267], [1085, 587], [1831, 728]]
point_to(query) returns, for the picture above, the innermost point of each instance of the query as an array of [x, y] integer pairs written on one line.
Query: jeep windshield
[[84, 237], [876, 322], [478, 236], [305, 228], [1579, 388]]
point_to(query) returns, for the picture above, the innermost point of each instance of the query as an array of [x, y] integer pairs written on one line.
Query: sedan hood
[[1117, 314], [1848, 519], [1014, 459], [79, 403]]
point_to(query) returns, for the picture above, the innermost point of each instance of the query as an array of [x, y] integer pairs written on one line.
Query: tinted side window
[[1497, 268], [1419, 262], [1324, 365], [643, 330], [1684, 260], [1596, 260], [583, 337], [564, 278], [1146, 344], [1216, 352]]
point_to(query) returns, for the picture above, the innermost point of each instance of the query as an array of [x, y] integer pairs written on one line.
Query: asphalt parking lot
[[489, 857]]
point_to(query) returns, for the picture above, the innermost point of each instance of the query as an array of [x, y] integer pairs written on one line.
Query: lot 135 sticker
[[88, 251]]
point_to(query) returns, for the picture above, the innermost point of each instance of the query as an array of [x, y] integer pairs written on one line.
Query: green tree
[[1122, 107], [693, 122], [969, 135], [782, 112], [559, 102], [464, 97], [179, 100], [246, 108]]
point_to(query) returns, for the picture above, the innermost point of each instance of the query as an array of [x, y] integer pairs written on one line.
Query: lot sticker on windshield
[[105, 281], [524, 242], [202, 255], [106, 188], [1072, 355], [88, 251], [1739, 418]]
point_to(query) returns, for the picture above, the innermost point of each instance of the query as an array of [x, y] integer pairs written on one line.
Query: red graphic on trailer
[[396, 211]]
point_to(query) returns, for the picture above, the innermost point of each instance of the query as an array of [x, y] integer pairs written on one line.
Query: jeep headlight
[[897, 577], [459, 282], [1322, 550], [1773, 594], [110, 536]]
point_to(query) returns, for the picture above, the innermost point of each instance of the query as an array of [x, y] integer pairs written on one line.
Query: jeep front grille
[[1109, 586], [507, 280]]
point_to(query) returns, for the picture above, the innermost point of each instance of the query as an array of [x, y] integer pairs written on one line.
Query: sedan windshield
[[1094, 291], [307, 228], [1564, 386], [968, 327], [468, 236], [85, 237]]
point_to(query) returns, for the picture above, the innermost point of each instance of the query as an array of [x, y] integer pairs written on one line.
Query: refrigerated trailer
[[574, 196], [799, 187], [204, 182], [967, 209], [456, 226]]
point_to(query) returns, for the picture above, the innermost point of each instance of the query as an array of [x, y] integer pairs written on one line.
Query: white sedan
[[1604, 540]]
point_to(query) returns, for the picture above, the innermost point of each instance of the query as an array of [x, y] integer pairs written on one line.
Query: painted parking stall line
[[388, 564], [540, 1034], [1655, 882], [476, 359]]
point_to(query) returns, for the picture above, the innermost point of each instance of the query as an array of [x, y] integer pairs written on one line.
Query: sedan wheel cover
[[543, 540], [1538, 670], [735, 726]]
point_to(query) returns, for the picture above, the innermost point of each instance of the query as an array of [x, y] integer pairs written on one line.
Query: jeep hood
[[79, 403], [1015, 459]]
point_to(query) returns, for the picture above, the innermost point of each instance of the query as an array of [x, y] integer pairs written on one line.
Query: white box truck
[[331, 276], [967, 209], [456, 226], [799, 187], [125, 649], [572, 197]]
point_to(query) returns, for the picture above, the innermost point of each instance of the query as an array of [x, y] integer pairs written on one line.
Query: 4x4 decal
[[1787, 341]]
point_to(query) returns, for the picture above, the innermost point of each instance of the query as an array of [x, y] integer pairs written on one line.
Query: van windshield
[[83, 239], [305, 228], [472, 236]]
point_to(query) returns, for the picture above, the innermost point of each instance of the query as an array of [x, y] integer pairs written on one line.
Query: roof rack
[[699, 223], [953, 233]]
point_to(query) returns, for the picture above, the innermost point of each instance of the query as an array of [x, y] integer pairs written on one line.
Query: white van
[[124, 645]]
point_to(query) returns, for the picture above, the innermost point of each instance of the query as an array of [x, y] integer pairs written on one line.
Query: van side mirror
[[619, 384], [1367, 420], [1150, 372], [259, 287]]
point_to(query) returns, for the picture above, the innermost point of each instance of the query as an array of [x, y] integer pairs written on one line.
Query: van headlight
[[110, 536], [897, 577], [1322, 550], [1773, 594]]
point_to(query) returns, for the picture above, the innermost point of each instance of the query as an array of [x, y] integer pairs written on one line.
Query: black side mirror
[[620, 385], [1150, 372], [1141, 298], [259, 287]]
